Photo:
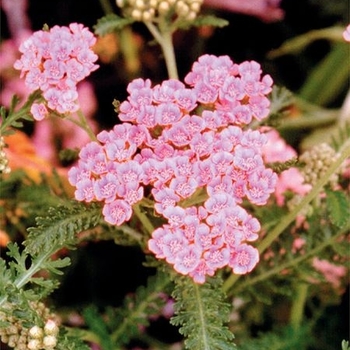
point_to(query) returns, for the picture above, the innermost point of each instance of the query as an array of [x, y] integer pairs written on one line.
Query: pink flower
[[55, 61], [187, 259], [39, 111], [346, 33], [243, 259], [266, 10], [165, 143], [117, 212], [331, 272]]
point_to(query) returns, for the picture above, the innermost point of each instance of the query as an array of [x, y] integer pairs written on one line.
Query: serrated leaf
[[338, 207], [201, 320], [111, 23], [97, 325], [59, 228], [200, 21]]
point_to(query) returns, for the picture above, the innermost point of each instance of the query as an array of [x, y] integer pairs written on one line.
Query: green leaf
[[97, 325], [59, 228], [137, 308], [324, 75], [111, 23], [201, 312], [200, 21], [345, 345], [338, 207]]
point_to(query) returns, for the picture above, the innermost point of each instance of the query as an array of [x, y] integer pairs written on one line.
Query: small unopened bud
[[34, 344], [36, 332], [140, 5], [163, 7], [136, 14], [147, 15], [120, 3], [51, 328], [50, 341]]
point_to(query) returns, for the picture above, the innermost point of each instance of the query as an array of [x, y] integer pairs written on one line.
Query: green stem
[[23, 279], [22, 113], [290, 217], [297, 311], [145, 221], [163, 35], [82, 123], [106, 6]]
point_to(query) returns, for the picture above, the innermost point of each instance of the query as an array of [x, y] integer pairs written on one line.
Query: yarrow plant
[[195, 173], [182, 143]]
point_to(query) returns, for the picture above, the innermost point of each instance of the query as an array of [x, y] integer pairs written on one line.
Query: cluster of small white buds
[[316, 163], [150, 10], [19, 337], [4, 167], [43, 338]]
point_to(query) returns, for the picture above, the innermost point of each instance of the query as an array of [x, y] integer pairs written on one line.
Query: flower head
[[181, 141], [55, 61]]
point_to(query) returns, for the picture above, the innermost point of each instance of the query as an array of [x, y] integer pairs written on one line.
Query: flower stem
[[22, 113], [163, 35], [145, 221], [289, 264], [290, 217], [299, 300], [82, 123]]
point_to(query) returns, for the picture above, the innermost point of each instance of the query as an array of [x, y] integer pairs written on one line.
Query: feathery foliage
[[122, 324], [201, 313], [111, 23], [60, 227]]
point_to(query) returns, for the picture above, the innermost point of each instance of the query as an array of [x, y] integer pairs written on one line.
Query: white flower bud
[[34, 344], [163, 7], [153, 4], [136, 14], [36, 332], [195, 6], [50, 341], [120, 3], [140, 5], [148, 15], [51, 328]]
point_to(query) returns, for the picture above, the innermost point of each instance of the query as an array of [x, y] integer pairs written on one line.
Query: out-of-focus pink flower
[[266, 10], [17, 19], [49, 130], [277, 150], [346, 33], [332, 273]]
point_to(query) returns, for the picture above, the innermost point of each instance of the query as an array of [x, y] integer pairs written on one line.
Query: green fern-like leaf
[[338, 207], [201, 313], [98, 326], [137, 308], [111, 23], [200, 21], [59, 228]]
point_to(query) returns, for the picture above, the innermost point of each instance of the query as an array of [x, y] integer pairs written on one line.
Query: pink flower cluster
[[55, 61], [186, 148]]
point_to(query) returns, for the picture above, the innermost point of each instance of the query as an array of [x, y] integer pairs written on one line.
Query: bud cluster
[[19, 337], [316, 162], [149, 10], [4, 167]]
